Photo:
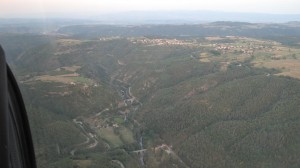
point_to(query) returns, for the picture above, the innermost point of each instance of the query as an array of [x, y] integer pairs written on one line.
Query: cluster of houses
[[109, 38], [242, 49], [160, 42]]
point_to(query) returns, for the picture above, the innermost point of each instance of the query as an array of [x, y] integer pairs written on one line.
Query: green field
[[110, 136]]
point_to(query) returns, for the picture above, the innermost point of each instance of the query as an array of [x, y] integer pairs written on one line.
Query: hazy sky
[[12, 8]]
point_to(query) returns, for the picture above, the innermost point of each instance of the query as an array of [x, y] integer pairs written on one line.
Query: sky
[[23, 8]]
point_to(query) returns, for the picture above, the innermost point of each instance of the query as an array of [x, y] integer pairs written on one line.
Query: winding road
[[91, 139], [120, 163], [88, 136]]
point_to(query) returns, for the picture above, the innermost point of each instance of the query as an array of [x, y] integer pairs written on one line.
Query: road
[[81, 144], [91, 139], [98, 114], [88, 136], [120, 163], [169, 151]]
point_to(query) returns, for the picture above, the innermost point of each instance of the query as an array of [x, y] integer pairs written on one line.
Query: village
[[162, 42]]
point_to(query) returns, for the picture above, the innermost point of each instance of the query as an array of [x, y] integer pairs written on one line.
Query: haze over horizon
[[87, 8]]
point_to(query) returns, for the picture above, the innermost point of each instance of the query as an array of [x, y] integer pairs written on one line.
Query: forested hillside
[[206, 100]]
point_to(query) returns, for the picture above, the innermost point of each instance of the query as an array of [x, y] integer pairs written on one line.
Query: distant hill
[[190, 17], [288, 33]]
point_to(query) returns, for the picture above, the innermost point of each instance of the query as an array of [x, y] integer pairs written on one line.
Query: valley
[[161, 100]]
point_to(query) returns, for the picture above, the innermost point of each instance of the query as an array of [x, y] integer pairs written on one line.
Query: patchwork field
[[289, 67]]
